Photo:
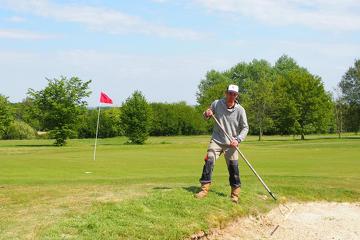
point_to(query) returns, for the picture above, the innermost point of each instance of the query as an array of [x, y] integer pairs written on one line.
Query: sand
[[314, 220]]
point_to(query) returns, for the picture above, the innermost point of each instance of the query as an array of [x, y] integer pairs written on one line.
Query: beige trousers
[[215, 150]]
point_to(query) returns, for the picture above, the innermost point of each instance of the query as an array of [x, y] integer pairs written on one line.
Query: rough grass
[[146, 192]]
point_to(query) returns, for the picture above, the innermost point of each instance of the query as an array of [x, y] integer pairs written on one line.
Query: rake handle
[[246, 161]]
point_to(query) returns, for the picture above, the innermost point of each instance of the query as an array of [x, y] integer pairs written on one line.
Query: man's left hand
[[234, 143]]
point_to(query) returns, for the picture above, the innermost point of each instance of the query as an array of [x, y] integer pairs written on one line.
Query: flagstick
[[97, 131]]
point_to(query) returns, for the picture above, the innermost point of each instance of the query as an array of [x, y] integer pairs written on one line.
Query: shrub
[[176, 119], [109, 123], [5, 115], [136, 118], [20, 130]]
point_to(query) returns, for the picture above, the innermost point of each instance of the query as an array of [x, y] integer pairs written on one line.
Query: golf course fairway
[[146, 192]]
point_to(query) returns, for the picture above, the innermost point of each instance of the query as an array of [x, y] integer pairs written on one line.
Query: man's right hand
[[209, 113]]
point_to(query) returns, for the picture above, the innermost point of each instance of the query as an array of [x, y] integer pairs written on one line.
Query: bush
[[109, 123], [60, 134], [176, 119], [136, 118], [20, 130]]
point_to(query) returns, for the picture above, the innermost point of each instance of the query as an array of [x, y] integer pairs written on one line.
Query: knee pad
[[234, 162], [207, 171], [209, 163], [233, 168], [234, 174]]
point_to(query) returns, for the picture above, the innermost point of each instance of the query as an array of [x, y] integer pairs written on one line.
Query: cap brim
[[233, 91]]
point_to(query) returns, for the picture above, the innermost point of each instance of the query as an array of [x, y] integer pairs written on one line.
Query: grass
[[146, 192]]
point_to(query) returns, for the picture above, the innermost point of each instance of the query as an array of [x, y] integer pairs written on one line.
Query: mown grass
[[146, 192]]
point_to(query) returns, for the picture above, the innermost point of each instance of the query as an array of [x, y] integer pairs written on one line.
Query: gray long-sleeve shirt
[[233, 120]]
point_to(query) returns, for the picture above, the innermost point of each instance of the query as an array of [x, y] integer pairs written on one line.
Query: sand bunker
[[315, 220]]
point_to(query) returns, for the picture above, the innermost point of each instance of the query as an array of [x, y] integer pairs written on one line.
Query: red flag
[[105, 98]]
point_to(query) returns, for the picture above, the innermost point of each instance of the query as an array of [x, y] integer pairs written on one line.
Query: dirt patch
[[315, 220]]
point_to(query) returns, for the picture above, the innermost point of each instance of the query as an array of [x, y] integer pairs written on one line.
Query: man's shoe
[[235, 191], [204, 191]]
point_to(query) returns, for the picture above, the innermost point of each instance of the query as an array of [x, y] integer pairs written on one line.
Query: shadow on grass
[[125, 144], [114, 144], [162, 188], [35, 145], [309, 138], [327, 138], [351, 137], [194, 189]]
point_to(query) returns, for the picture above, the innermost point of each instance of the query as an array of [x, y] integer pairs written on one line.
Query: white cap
[[233, 88]]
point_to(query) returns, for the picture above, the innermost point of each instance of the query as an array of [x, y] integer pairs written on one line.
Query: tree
[[286, 111], [350, 84], [212, 87], [5, 114], [240, 73], [303, 106], [339, 107], [136, 118], [339, 110], [286, 64], [25, 111], [284, 98], [60, 105], [350, 87], [258, 95]]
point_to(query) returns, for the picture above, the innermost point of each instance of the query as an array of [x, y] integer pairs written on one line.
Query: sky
[[165, 47]]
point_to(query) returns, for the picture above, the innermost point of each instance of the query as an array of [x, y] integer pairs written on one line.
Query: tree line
[[58, 112], [287, 99], [283, 98]]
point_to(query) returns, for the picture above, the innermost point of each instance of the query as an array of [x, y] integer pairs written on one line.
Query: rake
[[287, 209], [246, 161]]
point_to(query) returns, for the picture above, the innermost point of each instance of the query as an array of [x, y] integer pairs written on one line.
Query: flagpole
[[97, 131]]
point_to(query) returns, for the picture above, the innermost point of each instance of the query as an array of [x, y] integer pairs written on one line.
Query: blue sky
[[165, 47]]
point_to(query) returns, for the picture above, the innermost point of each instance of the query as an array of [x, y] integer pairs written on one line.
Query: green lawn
[[146, 192]]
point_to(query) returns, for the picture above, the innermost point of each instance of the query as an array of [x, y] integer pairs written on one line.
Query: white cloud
[[98, 18], [23, 35], [319, 14], [16, 19]]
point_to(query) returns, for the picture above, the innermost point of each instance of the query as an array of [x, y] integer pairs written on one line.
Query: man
[[232, 117]]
